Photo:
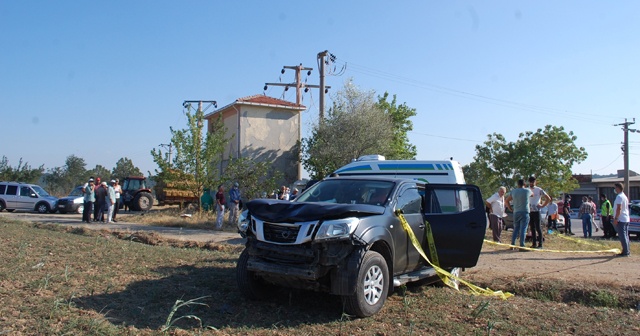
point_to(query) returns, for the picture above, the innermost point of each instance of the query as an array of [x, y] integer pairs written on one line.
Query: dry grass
[[56, 282], [172, 216]]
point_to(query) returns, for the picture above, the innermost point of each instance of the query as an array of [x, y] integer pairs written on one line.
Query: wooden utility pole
[[321, 61], [625, 151], [298, 84]]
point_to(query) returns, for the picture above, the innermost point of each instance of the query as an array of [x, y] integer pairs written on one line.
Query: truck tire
[[251, 286], [2, 206], [42, 208], [371, 288], [143, 201]]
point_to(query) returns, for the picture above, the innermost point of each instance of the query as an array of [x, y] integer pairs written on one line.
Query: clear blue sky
[[106, 79]]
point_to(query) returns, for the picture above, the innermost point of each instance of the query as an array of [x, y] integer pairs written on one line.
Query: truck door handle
[[421, 226]]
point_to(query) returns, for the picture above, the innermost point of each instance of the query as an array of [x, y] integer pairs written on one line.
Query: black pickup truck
[[342, 236]]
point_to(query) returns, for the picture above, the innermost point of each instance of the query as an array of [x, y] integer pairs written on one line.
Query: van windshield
[[40, 191], [348, 192]]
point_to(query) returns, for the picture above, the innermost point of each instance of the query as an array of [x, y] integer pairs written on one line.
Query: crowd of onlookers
[[102, 200], [526, 202]]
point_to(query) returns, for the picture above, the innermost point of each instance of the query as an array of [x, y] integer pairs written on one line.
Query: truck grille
[[280, 233]]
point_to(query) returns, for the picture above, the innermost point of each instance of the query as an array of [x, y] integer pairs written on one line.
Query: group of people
[[235, 203], [101, 198], [525, 203]]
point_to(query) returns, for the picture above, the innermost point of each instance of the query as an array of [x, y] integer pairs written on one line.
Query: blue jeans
[[520, 224], [623, 234], [586, 224]]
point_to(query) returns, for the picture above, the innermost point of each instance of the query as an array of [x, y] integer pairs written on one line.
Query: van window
[[25, 191], [12, 190], [3, 187]]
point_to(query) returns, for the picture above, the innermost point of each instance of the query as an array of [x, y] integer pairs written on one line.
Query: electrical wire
[[472, 96], [444, 137], [607, 166]]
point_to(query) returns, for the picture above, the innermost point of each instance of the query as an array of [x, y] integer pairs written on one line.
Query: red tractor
[[135, 193]]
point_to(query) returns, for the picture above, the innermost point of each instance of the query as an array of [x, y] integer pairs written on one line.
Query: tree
[[61, 180], [195, 155], [125, 167], [102, 172], [401, 148], [254, 177], [22, 172], [355, 126], [548, 154]]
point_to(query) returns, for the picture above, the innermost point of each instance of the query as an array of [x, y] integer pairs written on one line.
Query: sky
[[104, 80]]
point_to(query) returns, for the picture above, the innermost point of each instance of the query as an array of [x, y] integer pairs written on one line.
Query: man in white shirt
[[496, 206], [621, 219], [552, 217], [534, 211]]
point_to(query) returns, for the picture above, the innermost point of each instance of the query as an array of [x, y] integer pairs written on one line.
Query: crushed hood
[[287, 212]]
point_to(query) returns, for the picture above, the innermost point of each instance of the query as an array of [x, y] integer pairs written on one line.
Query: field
[[59, 280]]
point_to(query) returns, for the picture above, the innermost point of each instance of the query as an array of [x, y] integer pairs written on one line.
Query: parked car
[[634, 224], [342, 236], [27, 197], [72, 203]]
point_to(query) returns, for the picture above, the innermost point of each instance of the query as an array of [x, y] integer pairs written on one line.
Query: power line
[[612, 162], [472, 96]]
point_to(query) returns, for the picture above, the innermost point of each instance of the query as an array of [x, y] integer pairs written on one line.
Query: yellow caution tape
[[580, 241], [614, 250], [476, 290], [434, 254]]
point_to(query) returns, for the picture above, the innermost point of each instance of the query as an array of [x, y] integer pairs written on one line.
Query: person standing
[[96, 205], [496, 212], [520, 197], [534, 211], [621, 219], [89, 198], [593, 215], [219, 207], [99, 205], [552, 217], [118, 190], [586, 214], [606, 216], [111, 200], [234, 202], [566, 213]]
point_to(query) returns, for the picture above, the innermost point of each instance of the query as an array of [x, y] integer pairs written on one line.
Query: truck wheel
[[371, 288], [42, 208], [143, 201], [2, 206], [251, 286]]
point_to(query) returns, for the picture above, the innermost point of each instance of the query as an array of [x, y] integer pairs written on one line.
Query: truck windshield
[[344, 191]]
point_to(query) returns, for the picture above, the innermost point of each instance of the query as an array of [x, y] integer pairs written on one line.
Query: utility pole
[[298, 84], [170, 145], [199, 114], [625, 151], [321, 62]]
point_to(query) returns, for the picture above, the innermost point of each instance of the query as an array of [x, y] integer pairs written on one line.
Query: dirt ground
[[496, 262]]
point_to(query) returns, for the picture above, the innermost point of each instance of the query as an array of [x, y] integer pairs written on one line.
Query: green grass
[[55, 282]]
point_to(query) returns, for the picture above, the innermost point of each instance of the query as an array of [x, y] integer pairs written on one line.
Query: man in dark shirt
[[566, 212], [101, 197]]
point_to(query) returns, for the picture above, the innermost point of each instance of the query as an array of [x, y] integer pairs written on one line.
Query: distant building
[[263, 128], [590, 186]]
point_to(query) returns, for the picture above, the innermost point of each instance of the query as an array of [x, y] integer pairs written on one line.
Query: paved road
[[183, 234]]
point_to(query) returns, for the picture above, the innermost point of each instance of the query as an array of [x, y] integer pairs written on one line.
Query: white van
[[445, 171]]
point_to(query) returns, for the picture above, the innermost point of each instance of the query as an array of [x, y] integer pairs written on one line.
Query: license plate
[[60, 206]]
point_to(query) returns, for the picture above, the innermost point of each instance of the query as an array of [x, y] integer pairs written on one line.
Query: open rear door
[[458, 222]]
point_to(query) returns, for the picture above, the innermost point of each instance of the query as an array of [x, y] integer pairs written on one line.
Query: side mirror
[[33, 195]]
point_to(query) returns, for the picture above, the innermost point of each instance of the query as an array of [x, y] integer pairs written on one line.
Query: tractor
[[135, 193]]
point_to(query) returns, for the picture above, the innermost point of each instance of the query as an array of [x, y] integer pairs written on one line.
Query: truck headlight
[[337, 228], [243, 221]]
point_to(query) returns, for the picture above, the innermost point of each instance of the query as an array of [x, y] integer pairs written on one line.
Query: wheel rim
[[42, 208], [373, 285], [144, 202]]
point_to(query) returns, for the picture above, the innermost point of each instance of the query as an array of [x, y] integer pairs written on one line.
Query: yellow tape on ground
[[614, 250], [580, 241], [441, 272]]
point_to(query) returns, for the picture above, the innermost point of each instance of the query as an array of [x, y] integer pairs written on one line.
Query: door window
[[409, 201], [25, 191], [448, 201], [12, 190], [3, 187]]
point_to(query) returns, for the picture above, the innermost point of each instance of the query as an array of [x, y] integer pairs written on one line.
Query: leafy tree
[[195, 155], [355, 126], [61, 180], [125, 167], [401, 148], [102, 172], [22, 172], [253, 177], [548, 154]]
